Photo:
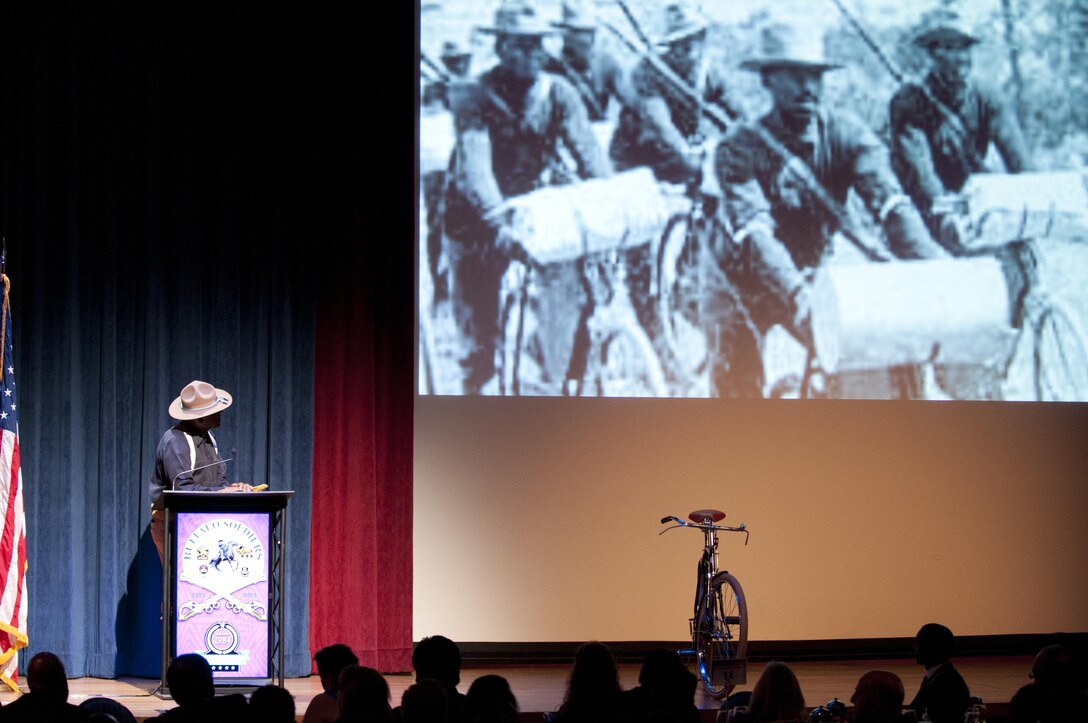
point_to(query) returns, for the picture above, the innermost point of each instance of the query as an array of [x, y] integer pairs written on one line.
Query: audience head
[[933, 645], [878, 697], [594, 674], [330, 661], [108, 707], [364, 694], [271, 704], [45, 677], [425, 702], [1054, 665], [189, 678], [664, 666], [437, 657], [666, 682], [485, 696], [777, 695]]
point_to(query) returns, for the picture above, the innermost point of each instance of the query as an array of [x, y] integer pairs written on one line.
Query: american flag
[[13, 632]]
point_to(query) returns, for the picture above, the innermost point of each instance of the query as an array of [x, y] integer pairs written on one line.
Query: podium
[[222, 586]]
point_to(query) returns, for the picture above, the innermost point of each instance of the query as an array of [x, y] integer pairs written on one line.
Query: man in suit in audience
[[878, 698], [48, 696], [943, 695]]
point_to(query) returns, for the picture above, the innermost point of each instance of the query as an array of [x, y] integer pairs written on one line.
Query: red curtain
[[361, 533]]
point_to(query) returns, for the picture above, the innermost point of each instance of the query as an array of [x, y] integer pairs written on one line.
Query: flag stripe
[[13, 561]]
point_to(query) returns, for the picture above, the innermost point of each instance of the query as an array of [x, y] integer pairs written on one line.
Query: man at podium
[[187, 457]]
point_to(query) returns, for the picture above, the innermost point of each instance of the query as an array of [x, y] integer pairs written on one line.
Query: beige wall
[[537, 520]]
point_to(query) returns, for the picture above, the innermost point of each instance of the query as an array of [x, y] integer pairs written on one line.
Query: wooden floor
[[539, 688]]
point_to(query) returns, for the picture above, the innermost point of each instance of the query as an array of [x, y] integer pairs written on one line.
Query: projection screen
[[536, 509], [615, 202]]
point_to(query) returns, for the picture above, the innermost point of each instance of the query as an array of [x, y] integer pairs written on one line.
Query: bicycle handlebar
[[743, 527]]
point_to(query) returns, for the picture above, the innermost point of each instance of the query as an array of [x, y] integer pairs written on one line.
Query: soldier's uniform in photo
[[941, 133], [595, 72], [456, 61], [943, 128], [514, 128], [656, 126], [782, 233]]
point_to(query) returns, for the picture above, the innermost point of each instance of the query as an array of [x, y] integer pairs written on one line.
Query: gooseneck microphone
[[194, 469]]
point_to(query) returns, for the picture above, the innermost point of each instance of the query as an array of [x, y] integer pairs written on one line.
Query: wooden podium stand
[[222, 584]]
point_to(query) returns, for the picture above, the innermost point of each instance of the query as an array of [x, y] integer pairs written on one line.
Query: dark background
[[189, 189]]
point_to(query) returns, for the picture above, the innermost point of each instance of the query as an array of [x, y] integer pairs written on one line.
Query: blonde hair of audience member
[[777, 695]]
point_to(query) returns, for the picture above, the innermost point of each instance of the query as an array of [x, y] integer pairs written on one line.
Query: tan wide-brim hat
[[199, 399]]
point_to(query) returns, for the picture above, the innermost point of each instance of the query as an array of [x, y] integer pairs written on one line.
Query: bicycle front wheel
[[720, 634]]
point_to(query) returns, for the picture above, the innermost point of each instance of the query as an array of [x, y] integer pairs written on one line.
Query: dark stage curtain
[[182, 184]]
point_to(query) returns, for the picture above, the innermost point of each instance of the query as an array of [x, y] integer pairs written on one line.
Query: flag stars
[[7, 392], [3, 415]]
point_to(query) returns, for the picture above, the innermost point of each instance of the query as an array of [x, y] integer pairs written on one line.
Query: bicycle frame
[[718, 630]]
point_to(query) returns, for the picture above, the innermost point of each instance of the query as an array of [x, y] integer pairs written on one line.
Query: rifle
[[796, 166]]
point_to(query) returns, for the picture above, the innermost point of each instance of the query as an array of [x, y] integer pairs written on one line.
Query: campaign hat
[[577, 15], [944, 27], [681, 22], [519, 17], [788, 45], [199, 399], [451, 50]]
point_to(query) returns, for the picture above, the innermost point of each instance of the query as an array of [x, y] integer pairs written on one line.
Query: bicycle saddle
[[699, 515]]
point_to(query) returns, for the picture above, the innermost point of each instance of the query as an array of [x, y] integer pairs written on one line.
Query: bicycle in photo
[[719, 623]]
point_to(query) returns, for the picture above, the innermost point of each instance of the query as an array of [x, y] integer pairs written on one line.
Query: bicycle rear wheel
[[720, 634]]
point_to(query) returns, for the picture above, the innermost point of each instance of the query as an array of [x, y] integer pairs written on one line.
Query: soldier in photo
[[658, 125], [942, 128], [595, 73], [517, 129], [785, 179], [456, 61]]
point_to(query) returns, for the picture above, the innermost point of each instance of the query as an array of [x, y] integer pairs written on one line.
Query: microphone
[[194, 469]]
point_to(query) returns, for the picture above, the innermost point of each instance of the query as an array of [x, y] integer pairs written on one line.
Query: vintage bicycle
[[719, 623]]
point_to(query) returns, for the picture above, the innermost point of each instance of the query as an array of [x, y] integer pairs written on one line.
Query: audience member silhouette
[[776, 696], [943, 694], [489, 698], [1055, 693], [424, 702], [98, 718], [330, 661], [48, 697], [364, 696], [189, 678], [271, 704], [439, 658], [878, 698], [110, 707], [665, 685], [593, 689]]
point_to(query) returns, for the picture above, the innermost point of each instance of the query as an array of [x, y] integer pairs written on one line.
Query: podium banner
[[223, 594]]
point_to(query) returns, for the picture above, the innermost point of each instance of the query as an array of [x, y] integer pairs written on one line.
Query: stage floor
[[539, 688]]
